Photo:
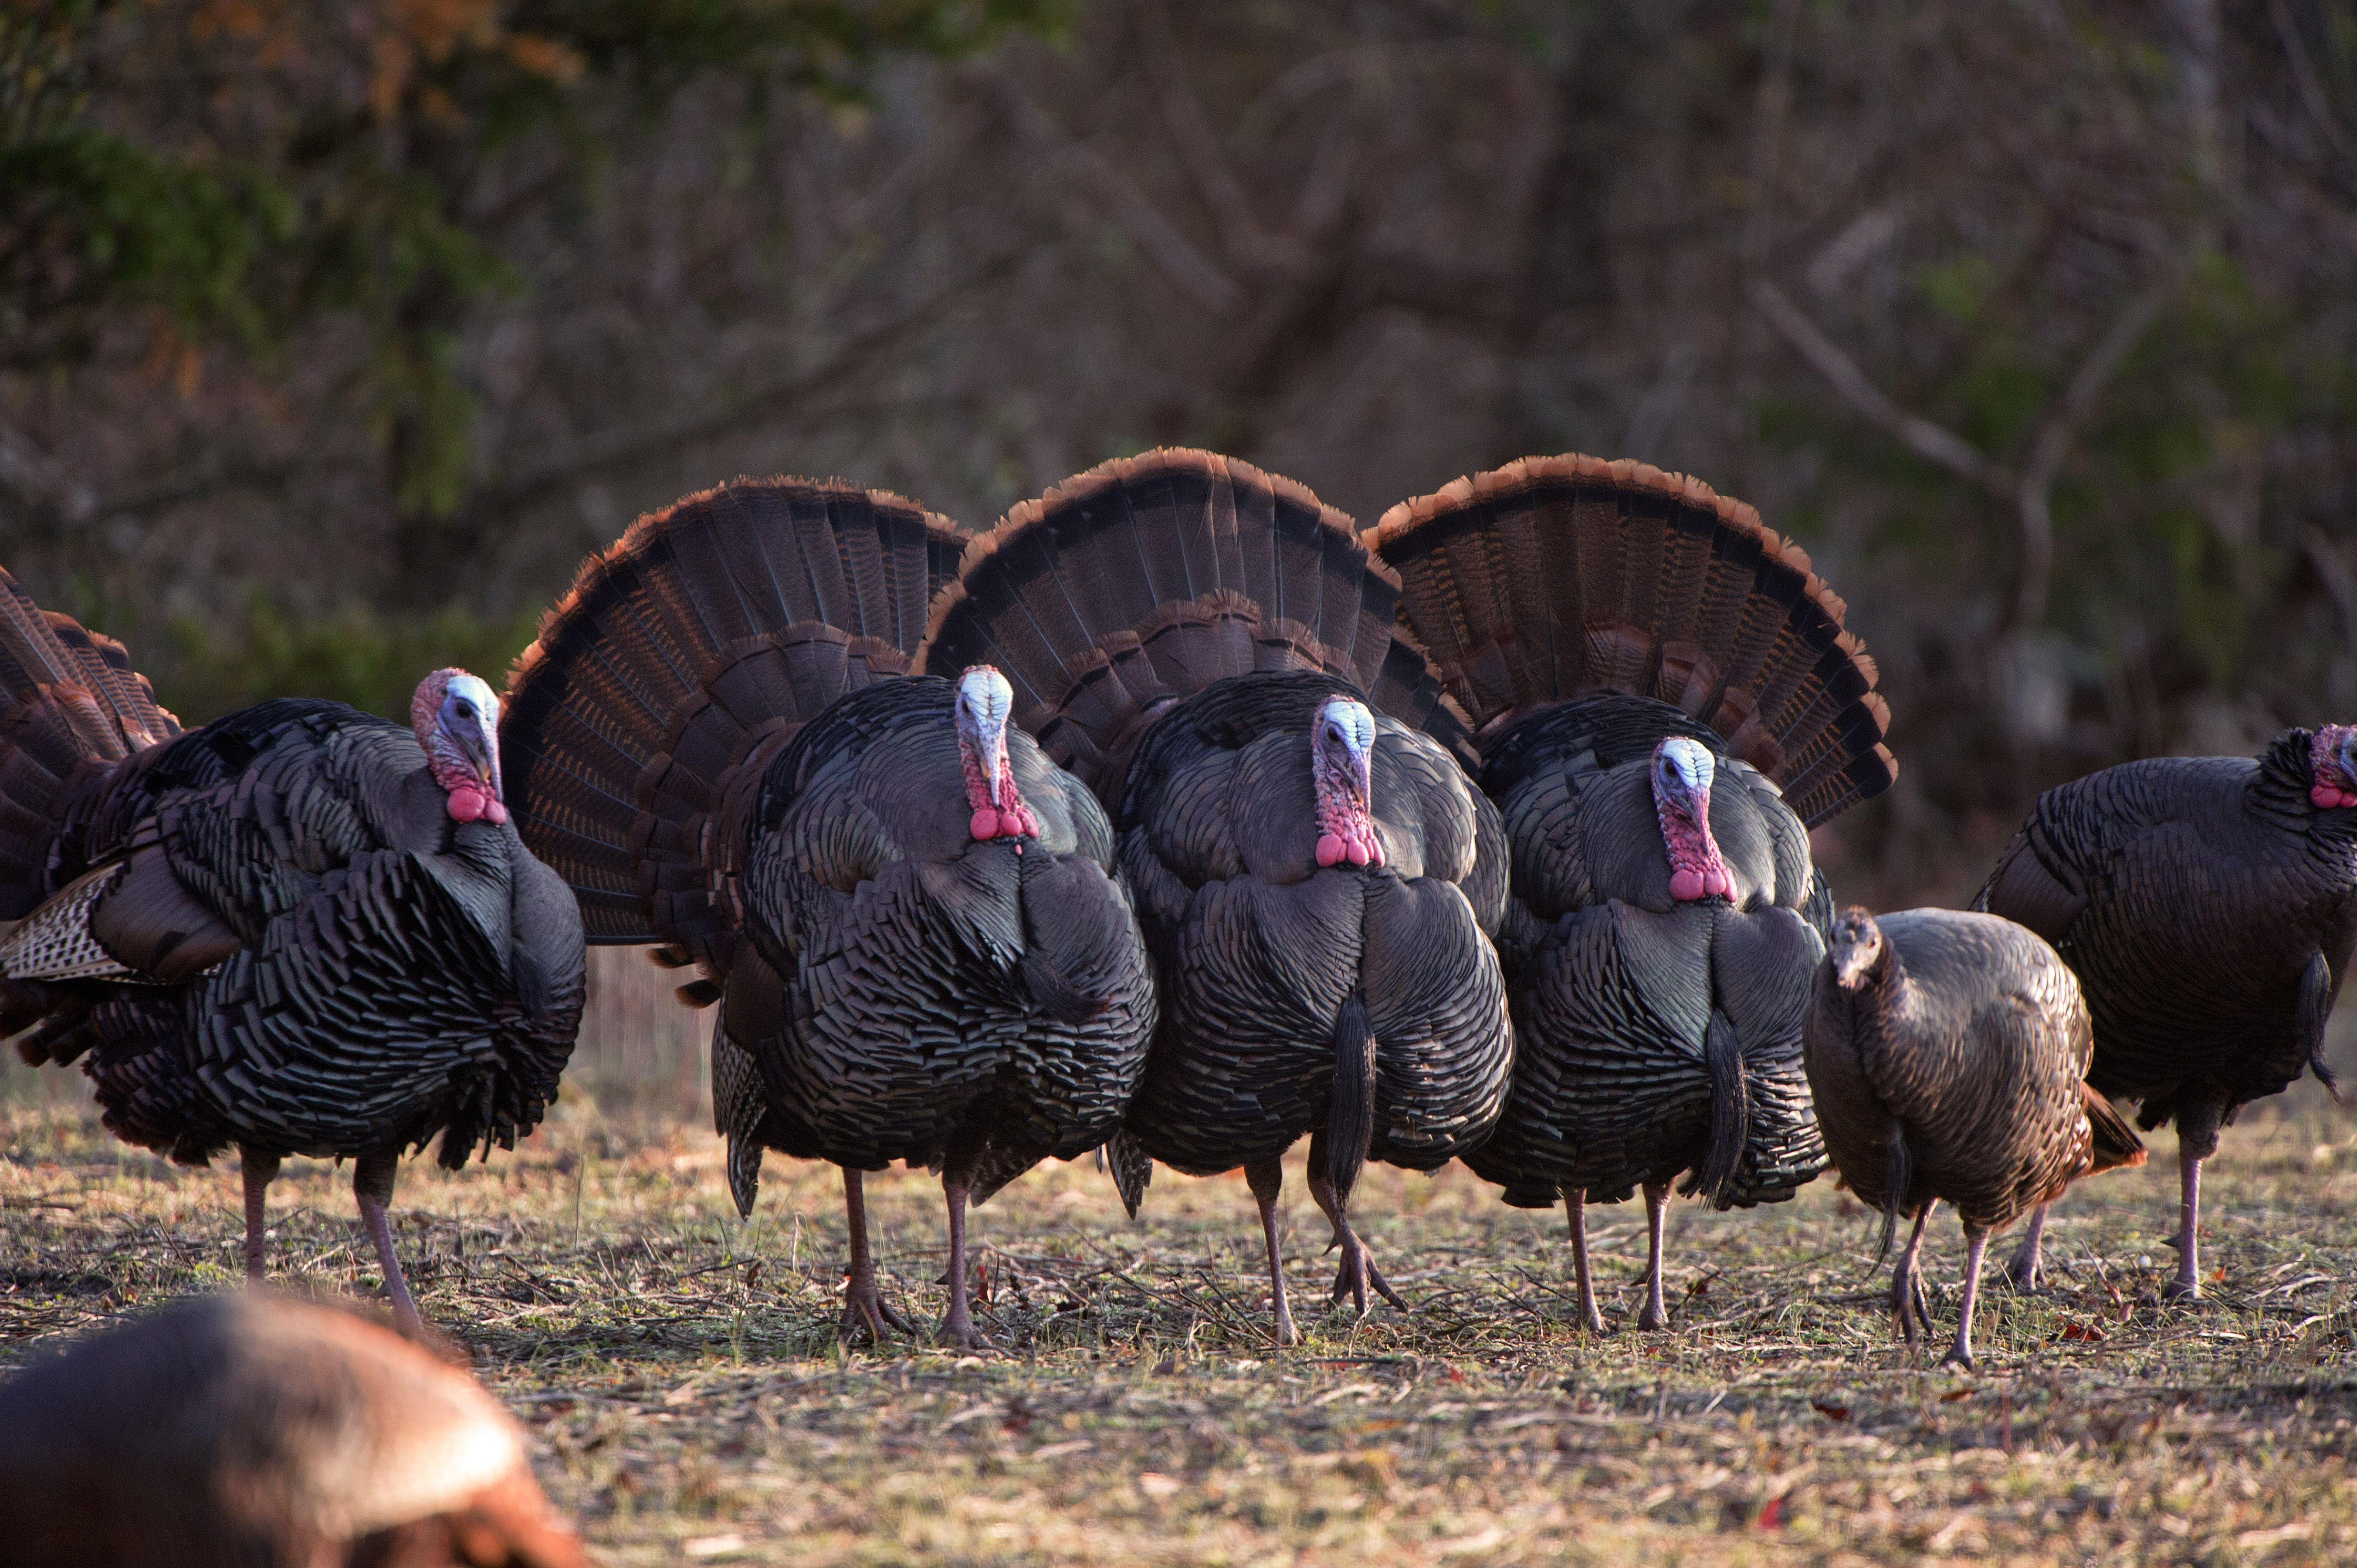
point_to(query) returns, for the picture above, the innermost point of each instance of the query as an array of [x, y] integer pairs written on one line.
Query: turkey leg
[[1266, 1179], [863, 1308], [1575, 1204], [1358, 1270], [1907, 1301], [372, 1189], [2028, 1271], [259, 1171], [1656, 1313], [958, 1327], [1960, 1354], [2187, 1285]]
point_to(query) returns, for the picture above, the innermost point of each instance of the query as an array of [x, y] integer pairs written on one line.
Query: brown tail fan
[[1147, 578], [1553, 576], [680, 660], [70, 705]]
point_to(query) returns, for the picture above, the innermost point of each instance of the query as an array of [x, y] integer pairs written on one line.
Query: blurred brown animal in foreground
[[250, 1431]]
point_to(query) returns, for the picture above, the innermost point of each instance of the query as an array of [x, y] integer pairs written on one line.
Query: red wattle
[[494, 810], [1330, 849], [1357, 850], [984, 824], [466, 805], [2326, 796], [1715, 885], [1375, 852], [1686, 886]]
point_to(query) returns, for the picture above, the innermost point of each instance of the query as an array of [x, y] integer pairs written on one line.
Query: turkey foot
[[2027, 1271], [372, 1189], [1358, 1270], [957, 1329], [1909, 1304], [865, 1311], [1656, 1313], [1266, 1179], [1575, 1203], [2187, 1285], [259, 1170], [1960, 1354]]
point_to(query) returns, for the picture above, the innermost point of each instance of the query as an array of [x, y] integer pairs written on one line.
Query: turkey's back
[[1258, 947], [1980, 1062], [2189, 894], [892, 1009], [397, 973], [1631, 992]]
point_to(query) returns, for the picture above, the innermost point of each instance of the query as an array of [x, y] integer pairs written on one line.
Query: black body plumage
[[2209, 907], [1585, 612], [396, 975], [720, 744], [1259, 948], [1636, 993]]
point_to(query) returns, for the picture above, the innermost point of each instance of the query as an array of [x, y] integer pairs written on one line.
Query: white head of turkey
[[984, 702], [1342, 748], [456, 718], [2332, 756], [1682, 771]]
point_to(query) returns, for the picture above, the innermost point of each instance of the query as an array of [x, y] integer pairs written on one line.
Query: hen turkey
[[907, 915], [1212, 651], [1947, 1053], [299, 929], [2209, 906], [1667, 703]]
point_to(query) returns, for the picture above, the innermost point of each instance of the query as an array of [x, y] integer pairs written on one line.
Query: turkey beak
[[480, 744], [990, 738]]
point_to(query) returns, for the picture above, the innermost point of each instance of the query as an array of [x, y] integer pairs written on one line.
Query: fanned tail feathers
[[680, 660], [1553, 576], [71, 708], [1148, 578]]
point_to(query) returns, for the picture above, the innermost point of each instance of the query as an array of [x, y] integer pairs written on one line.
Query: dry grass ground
[[682, 1374]]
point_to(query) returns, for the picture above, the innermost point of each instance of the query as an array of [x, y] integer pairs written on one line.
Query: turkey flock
[[1172, 819]]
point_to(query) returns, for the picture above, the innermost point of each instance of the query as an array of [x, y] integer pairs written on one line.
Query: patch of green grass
[[691, 1401]]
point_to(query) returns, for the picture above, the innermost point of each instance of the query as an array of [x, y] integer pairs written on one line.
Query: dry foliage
[[681, 1375]]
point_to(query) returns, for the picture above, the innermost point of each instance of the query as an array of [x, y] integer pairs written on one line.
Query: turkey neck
[[2279, 791], [1883, 1008]]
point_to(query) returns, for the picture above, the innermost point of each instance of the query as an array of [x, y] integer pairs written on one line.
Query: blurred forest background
[[333, 334]]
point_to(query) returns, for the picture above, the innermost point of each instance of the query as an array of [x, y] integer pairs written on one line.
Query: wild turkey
[[1947, 1053], [248, 1431], [907, 913], [1201, 643], [300, 929], [1647, 664], [2209, 906]]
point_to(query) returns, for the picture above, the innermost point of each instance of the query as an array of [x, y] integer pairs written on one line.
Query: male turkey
[[1947, 1054], [2209, 905], [249, 1431], [907, 914], [1647, 664], [1201, 643], [299, 929]]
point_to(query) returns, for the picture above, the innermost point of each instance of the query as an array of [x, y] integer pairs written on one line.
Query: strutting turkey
[[1947, 1054], [1211, 650], [1648, 663], [300, 929], [907, 914], [2209, 906], [250, 1431]]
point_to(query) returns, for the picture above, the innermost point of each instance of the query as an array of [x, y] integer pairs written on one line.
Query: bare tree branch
[[1926, 440], [2311, 89], [1215, 179], [1172, 253], [2035, 572], [2030, 492]]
